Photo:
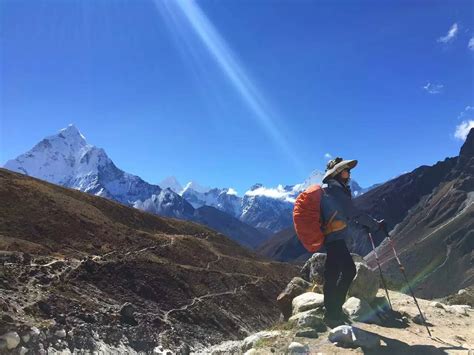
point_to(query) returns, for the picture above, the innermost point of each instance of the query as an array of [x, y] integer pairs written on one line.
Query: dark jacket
[[337, 197]]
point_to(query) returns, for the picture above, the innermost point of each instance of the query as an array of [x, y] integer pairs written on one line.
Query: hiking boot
[[333, 322], [345, 318]]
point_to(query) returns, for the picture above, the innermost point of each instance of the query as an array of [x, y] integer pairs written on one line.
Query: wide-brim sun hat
[[334, 167]]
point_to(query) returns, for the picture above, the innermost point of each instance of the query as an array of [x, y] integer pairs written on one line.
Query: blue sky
[[230, 93]]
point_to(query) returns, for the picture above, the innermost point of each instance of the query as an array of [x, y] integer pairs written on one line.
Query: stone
[[306, 301], [34, 332], [311, 321], [459, 309], [250, 341], [462, 291], [8, 319], [359, 310], [295, 287], [418, 320], [183, 349], [297, 348], [313, 269], [26, 338], [347, 336], [307, 333], [316, 312], [44, 307], [12, 339], [127, 311], [3, 344], [437, 305], [23, 350], [61, 333], [342, 335], [365, 284], [251, 352]]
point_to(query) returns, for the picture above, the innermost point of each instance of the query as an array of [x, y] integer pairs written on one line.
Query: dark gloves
[[382, 225]]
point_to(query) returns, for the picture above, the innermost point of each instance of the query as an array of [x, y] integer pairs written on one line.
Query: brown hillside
[[71, 261]]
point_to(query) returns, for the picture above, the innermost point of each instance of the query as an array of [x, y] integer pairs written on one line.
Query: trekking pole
[[402, 269], [380, 270]]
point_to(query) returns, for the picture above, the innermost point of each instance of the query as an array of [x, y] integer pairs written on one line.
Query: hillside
[[436, 238], [112, 277]]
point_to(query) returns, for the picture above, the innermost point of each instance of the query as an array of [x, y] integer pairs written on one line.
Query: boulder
[[297, 348], [365, 284], [315, 311], [418, 320], [307, 333], [295, 287], [311, 321], [459, 309], [347, 336], [359, 310], [60, 333], [437, 305], [12, 339], [250, 341], [306, 301], [313, 269], [127, 312], [26, 338], [251, 352]]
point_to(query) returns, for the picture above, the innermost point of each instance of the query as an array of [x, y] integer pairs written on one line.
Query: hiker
[[341, 224]]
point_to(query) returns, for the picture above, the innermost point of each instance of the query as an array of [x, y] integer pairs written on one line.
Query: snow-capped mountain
[[267, 209], [272, 208], [67, 159], [171, 183], [225, 199], [192, 185]]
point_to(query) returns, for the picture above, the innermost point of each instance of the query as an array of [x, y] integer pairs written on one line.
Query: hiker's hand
[[382, 225]]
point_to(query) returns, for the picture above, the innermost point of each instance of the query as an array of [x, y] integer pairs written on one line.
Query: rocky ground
[[374, 327], [451, 334]]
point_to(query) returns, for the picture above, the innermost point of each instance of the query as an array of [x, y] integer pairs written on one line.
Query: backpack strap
[[333, 226]]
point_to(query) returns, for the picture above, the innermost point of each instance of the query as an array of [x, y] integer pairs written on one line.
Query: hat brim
[[345, 164]]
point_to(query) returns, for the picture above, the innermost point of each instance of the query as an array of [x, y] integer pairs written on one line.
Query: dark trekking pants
[[339, 271]]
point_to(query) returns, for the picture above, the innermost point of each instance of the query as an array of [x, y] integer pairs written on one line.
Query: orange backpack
[[307, 218]]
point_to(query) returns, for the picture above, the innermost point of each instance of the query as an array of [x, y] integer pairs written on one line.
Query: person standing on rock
[[341, 224]]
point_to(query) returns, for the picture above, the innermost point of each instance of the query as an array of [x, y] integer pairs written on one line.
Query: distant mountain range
[[267, 209], [67, 159]]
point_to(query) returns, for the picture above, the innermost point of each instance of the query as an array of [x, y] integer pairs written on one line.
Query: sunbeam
[[230, 66]]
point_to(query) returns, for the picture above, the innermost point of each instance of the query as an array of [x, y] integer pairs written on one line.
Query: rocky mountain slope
[[230, 226], [83, 272], [435, 239], [395, 200]]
